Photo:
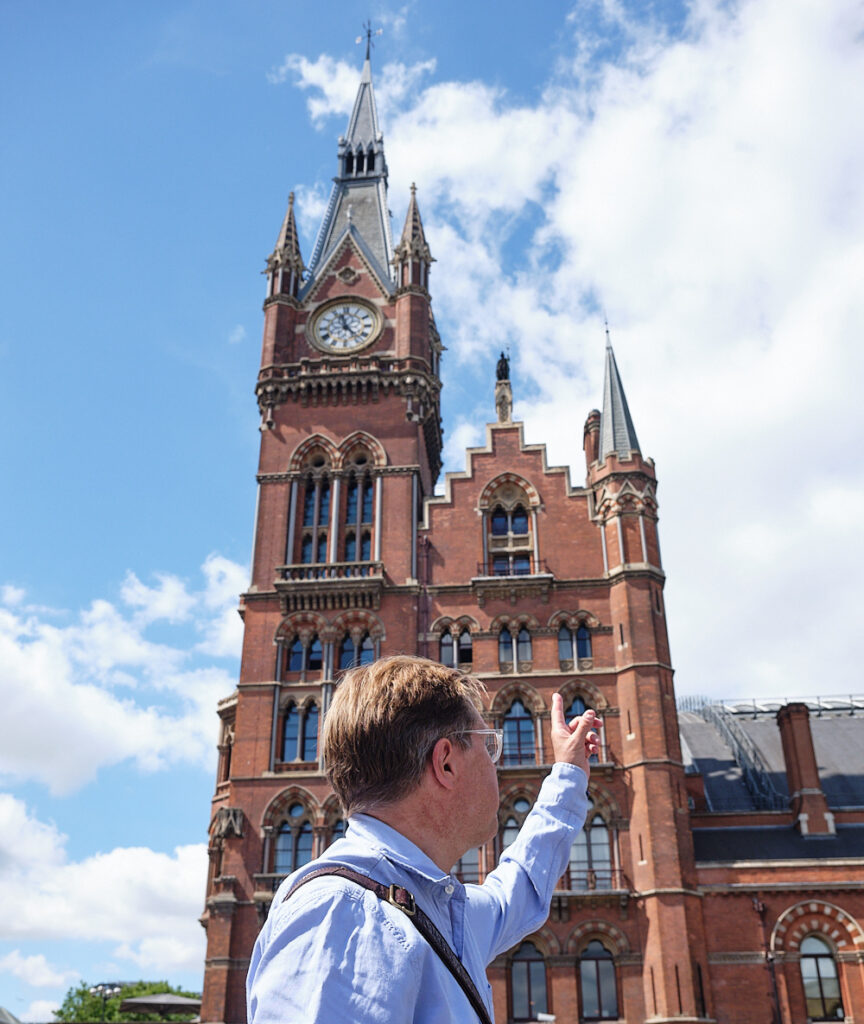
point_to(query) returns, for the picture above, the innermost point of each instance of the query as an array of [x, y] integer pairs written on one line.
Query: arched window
[[293, 842], [370, 161], [310, 734], [509, 543], [314, 655], [518, 736], [367, 650], [528, 982], [523, 645], [583, 641], [821, 984], [591, 856], [360, 162], [358, 511], [465, 653], [349, 163], [351, 654], [316, 515], [337, 830], [505, 651], [577, 707], [598, 994], [290, 732], [295, 656], [445, 650]]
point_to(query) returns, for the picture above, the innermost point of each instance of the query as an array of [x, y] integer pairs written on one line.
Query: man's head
[[385, 719]]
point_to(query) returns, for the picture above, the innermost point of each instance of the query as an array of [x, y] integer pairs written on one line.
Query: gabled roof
[[617, 433]]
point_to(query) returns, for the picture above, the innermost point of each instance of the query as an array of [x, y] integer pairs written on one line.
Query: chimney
[[806, 798]]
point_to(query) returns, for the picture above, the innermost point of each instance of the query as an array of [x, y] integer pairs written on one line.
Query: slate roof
[[838, 741], [778, 843], [358, 203], [617, 433]]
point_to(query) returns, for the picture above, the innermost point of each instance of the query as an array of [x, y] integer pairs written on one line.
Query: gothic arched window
[[598, 992], [349, 163], [352, 654], [821, 984], [591, 864], [310, 734], [300, 657], [528, 983], [467, 868], [295, 656], [508, 541], [446, 651], [290, 732], [293, 842], [573, 646], [300, 733], [583, 641], [465, 649], [316, 514], [359, 504], [505, 651], [523, 646], [370, 161], [518, 736], [360, 160]]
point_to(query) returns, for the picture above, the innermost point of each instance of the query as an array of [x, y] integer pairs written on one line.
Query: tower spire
[[617, 433], [361, 187], [285, 264]]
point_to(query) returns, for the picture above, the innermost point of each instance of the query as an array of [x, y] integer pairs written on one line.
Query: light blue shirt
[[335, 952]]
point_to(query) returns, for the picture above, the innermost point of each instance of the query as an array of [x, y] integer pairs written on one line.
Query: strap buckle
[[409, 907]]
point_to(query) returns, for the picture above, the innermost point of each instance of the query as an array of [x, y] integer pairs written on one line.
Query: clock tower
[[348, 392]]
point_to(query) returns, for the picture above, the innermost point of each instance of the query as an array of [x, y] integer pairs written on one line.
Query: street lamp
[[105, 989]]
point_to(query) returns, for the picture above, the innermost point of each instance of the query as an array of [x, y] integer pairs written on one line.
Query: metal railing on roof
[[835, 704], [754, 771]]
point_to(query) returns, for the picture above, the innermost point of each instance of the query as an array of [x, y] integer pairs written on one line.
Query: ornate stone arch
[[514, 623], [455, 626], [519, 689], [604, 804], [611, 936], [361, 439], [582, 688], [277, 809], [359, 620], [496, 489], [573, 620], [331, 810], [544, 939], [820, 917], [518, 790], [305, 448], [305, 625]]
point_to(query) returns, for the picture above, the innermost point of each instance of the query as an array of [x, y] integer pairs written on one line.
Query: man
[[413, 762]]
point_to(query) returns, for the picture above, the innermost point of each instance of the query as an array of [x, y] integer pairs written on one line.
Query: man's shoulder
[[335, 903]]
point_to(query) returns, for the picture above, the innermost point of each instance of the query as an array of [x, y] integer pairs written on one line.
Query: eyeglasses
[[492, 738]]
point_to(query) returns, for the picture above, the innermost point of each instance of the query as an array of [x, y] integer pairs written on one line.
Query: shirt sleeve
[[330, 954], [514, 900]]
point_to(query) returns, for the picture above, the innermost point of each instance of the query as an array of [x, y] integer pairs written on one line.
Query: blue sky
[[693, 169]]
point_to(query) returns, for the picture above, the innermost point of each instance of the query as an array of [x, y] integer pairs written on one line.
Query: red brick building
[[721, 864]]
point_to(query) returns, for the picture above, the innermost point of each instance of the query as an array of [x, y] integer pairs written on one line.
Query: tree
[[80, 1005]]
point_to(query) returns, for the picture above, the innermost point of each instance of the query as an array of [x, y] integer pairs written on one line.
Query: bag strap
[[403, 900]]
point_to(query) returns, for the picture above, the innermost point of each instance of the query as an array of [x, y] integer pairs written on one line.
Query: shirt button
[[449, 889]]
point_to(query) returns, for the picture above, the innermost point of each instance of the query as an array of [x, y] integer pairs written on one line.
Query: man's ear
[[442, 763]]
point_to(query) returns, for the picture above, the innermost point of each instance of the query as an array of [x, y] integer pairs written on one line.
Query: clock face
[[345, 326]]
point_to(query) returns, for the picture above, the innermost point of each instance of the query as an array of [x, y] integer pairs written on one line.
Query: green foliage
[[80, 1005]]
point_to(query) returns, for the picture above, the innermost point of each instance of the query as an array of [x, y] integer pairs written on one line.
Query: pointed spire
[[617, 433], [413, 242], [285, 264], [361, 187]]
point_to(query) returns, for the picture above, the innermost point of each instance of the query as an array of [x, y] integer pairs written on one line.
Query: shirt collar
[[394, 846]]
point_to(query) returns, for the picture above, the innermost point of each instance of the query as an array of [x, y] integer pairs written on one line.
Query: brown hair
[[384, 720]]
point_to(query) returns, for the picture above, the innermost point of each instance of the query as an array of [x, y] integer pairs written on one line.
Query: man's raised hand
[[575, 741]]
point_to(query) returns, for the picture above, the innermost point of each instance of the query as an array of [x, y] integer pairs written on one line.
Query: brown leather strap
[[404, 901]]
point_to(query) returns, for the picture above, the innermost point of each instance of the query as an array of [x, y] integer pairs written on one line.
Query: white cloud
[[40, 1010], [237, 335], [35, 970], [11, 595], [63, 717], [144, 902]]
